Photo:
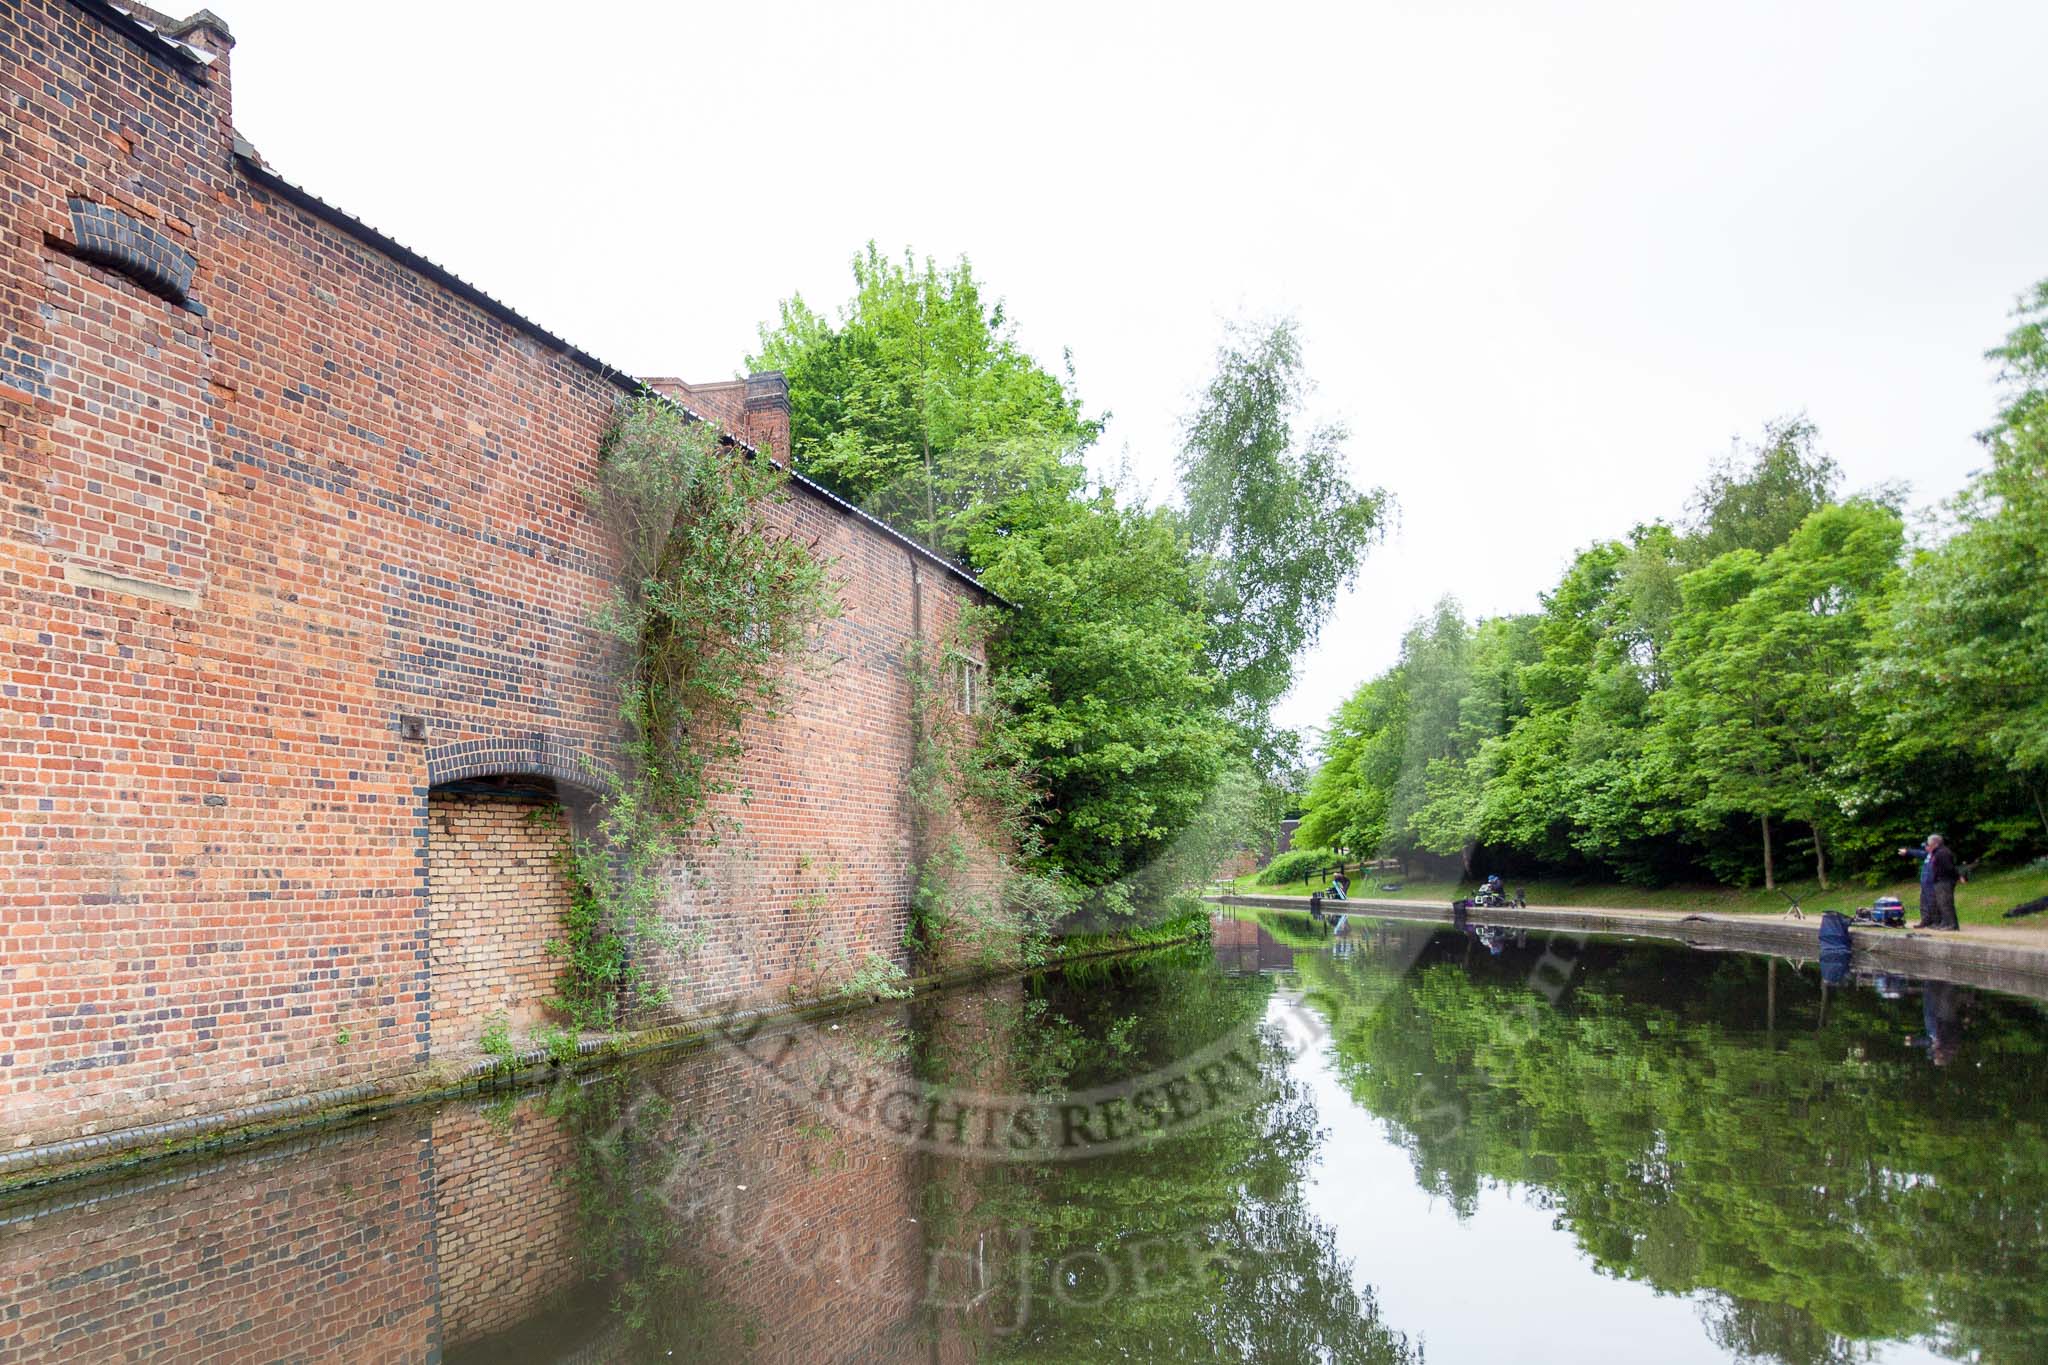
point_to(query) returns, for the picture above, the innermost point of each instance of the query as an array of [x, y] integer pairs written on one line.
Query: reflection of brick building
[[464, 1230], [1234, 935], [1234, 943], [505, 1222], [324, 1246], [1274, 956], [295, 583], [1242, 945]]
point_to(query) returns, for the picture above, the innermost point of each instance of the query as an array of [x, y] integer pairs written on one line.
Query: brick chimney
[[204, 29], [768, 413], [200, 39], [754, 409]]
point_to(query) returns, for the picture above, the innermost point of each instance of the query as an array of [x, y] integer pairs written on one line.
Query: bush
[[497, 1040], [1296, 865], [879, 978]]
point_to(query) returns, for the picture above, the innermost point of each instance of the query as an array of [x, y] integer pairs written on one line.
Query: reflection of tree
[[1750, 1330], [1828, 1186], [1197, 1246]]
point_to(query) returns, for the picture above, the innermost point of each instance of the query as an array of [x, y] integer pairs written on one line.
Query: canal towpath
[[2011, 958]]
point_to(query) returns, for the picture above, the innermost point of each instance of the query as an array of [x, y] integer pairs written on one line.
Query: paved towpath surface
[[2003, 957]]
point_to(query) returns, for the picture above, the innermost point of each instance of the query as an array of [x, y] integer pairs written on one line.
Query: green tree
[[1535, 778], [1756, 501], [1686, 689], [1765, 649], [1451, 818], [1435, 676], [919, 405], [1273, 512], [1347, 803], [1965, 663], [1149, 645], [1241, 810], [1407, 758], [1105, 673], [1616, 817]]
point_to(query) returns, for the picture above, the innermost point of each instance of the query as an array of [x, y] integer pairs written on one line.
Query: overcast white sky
[[1548, 258]]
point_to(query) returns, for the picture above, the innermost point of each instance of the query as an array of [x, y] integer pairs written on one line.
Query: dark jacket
[[1942, 863]]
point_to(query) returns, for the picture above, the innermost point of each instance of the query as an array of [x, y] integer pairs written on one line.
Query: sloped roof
[[261, 172]]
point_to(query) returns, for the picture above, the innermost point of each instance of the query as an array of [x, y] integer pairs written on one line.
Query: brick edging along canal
[[35, 1167]]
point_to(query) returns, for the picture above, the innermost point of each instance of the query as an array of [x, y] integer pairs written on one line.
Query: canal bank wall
[[2017, 968], [299, 694], [143, 1145], [456, 1231]]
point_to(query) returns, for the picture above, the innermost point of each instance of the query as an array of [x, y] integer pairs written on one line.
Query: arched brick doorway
[[497, 892]]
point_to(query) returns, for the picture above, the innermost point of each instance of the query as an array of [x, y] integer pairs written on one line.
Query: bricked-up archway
[[497, 891], [536, 756]]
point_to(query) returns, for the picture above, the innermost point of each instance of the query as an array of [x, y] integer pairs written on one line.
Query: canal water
[[1405, 1143]]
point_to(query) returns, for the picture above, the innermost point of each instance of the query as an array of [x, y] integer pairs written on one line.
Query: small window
[[970, 681]]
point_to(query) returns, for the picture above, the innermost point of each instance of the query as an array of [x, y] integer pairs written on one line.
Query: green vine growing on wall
[[714, 610], [978, 895]]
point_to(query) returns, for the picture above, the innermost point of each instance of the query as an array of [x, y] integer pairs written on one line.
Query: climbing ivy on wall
[[973, 795], [712, 616]]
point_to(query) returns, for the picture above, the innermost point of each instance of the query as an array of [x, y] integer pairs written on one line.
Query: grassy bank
[[1983, 900], [1187, 922]]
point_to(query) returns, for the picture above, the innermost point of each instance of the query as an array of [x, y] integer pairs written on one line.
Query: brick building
[[296, 683], [492, 1232]]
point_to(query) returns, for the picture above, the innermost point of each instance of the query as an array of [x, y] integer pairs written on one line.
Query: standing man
[[1938, 877], [1944, 1021]]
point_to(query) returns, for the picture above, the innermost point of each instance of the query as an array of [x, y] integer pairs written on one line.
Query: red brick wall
[[505, 1222], [803, 1236], [129, 471], [497, 892], [756, 409], [318, 1250], [797, 1226], [236, 547]]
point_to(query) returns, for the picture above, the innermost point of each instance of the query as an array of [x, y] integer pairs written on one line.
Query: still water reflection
[[1409, 1143]]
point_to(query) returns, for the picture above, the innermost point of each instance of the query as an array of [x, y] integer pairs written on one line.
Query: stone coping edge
[[2016, 969], [81, 1158]]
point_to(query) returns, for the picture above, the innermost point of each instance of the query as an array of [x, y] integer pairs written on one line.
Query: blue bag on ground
[[1834, 947]]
